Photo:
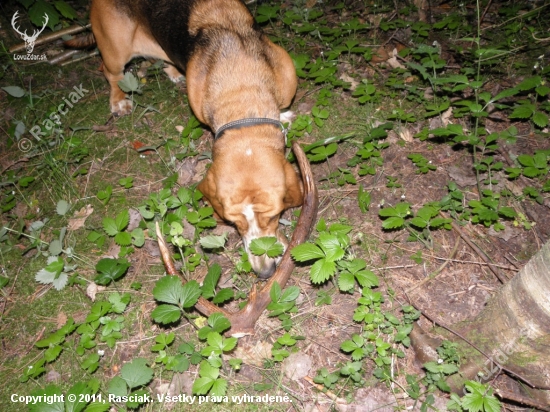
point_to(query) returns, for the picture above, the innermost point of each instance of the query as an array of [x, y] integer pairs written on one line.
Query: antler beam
[[243, 321]]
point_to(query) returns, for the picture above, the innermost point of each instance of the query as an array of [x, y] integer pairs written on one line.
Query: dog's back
[[179, 26]]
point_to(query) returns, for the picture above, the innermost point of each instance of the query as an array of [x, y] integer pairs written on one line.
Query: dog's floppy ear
[[208, 188], [294, 189]]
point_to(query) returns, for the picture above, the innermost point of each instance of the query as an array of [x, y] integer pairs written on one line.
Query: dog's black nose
[[267, 271]]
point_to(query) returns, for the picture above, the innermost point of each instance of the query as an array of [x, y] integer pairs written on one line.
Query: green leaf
[[346, 282], [52, 353], [529, 83], [66, 10], [202, 386], [364, 199], [507, 212], [286, 340], [179, 364], [540, 119], [129, 84], [367, 279], [322, 270], [223, 296], [62, 207], [213, 241], [110, 270], [306, 251], [117, 386], [266, 245], [190, 294], [123, 239], [14, 91], [290, 294], [138, 237], [505, 93], [55, 248], [539, 160], [479, 398], [47, 394], [526, 160], [37, 11], [136, 373], [275, 292], [322, 152], [206, 370], [218, 322], [393, 223], [25, 181], [98, 407], [76, 397], [524, 111], [211, 280], [531, 172], [90, 363], [168, 289], [109, 225], [122, 220]]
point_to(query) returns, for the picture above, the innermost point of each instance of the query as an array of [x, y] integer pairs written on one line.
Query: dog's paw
[[173, 74], [287, 117], [121, 108]]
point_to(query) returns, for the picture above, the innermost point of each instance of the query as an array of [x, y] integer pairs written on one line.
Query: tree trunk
[[514, 329]]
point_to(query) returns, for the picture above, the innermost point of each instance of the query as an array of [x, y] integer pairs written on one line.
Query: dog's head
[[250, 187]]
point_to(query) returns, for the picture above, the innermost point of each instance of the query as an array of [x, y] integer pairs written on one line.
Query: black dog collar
[[252, 121]]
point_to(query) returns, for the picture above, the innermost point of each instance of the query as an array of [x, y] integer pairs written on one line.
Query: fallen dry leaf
[[393, 62], [447, 116], [254, 355], [61, 319], [348, 79], [79, 217], [92, 290], [296, 366], [405, 134]]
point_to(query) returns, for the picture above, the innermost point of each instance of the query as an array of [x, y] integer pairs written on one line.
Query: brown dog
[[237, 82]]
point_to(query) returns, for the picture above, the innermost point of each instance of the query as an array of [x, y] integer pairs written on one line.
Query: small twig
[[485, 12], [539, 39], [471, 262], [3, 312], [326, 392], [437, 271], [23, 159], [84, 57], [394, 267], [516, 17], [482, 255]]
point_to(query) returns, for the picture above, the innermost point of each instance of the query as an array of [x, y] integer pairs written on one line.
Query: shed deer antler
[[29, 40], [243, 321]]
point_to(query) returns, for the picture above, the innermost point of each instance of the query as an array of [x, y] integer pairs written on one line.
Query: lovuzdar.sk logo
[[29, 40]]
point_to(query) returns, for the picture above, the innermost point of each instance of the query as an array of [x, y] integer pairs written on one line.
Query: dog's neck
[[239, 140], [249, 122]]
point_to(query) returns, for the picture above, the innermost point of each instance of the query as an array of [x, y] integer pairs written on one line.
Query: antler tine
[[37, 32], [46, 20], [13, 20], [243, 321]]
